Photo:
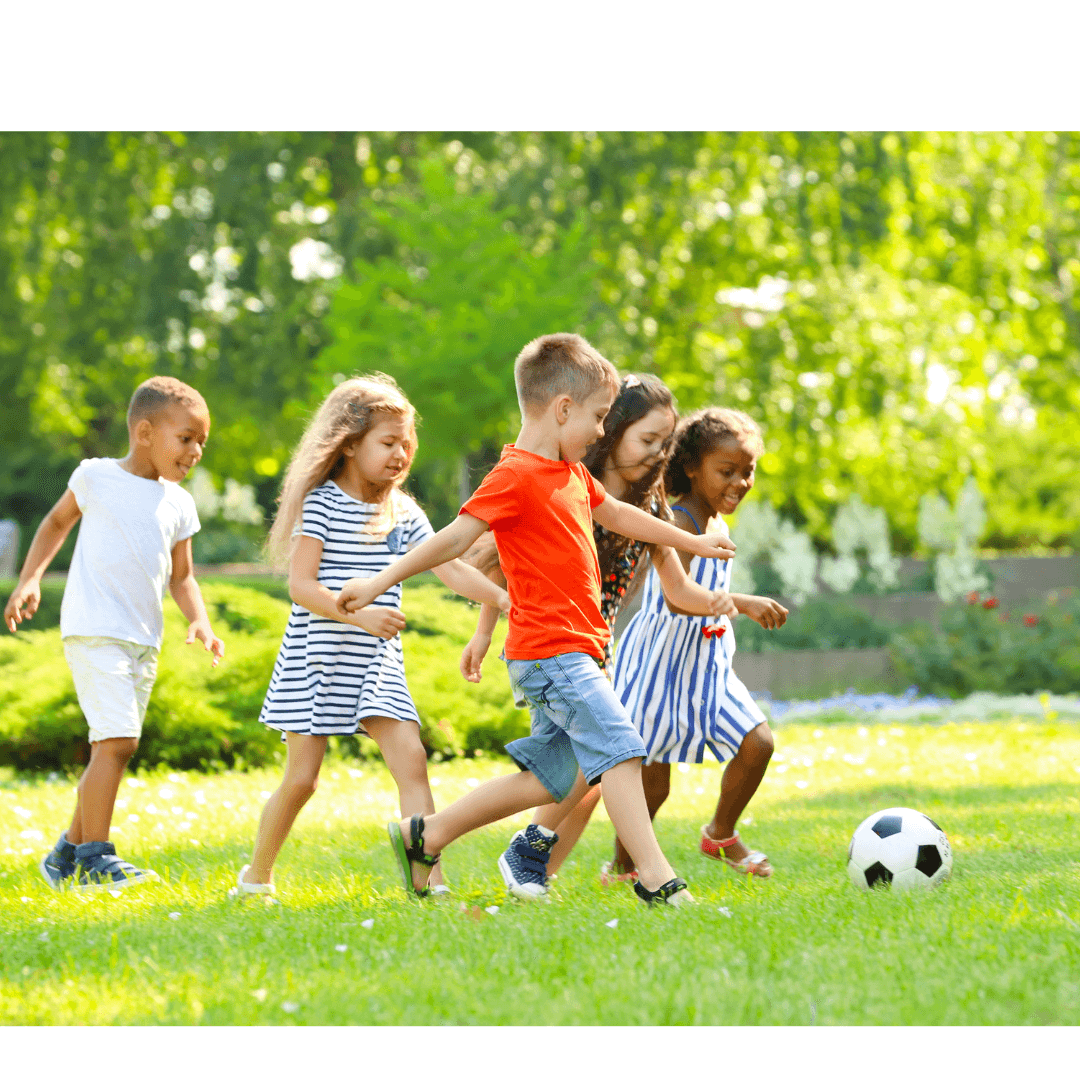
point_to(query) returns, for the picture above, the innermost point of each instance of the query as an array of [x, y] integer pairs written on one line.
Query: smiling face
[[722, 478], [642, 445], [173, 440], [381, 457], [581, 423]]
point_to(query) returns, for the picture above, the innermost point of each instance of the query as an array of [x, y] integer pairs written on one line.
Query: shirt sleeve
[[315, 519], [80, 483], [496, 500], [418, 528], [596, 491], [189, 518]]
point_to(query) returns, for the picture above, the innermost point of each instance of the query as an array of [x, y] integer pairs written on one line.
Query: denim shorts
[[576, 721]]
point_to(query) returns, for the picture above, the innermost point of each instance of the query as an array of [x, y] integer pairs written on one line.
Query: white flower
[[290, 1006], [367, 924], [612, 924], [174, 914], [492, 910], [341, 948], [725, 911]]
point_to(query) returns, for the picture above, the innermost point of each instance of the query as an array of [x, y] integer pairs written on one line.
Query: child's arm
[[185, 591], [305, 590], [467, 581], [49, 538], [762, 609], [446, 544], [620, 517], [473, 654], [686, 597]]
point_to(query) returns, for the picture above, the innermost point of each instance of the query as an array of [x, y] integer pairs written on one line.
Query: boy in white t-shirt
[[134, 543]]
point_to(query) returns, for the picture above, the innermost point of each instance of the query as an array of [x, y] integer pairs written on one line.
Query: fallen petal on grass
[[341, 948], [367, 924], [612, 924]]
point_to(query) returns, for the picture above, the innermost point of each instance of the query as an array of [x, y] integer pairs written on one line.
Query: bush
[[817, 624], [980, 648], [200, 717]]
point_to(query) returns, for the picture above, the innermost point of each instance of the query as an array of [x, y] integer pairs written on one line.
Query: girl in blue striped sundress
[[673, 671], [343, 515]]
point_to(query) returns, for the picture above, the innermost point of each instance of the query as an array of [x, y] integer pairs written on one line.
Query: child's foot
[[244, 888], [58, 867], [411, 857], [523, 864], [734, 853], [97, 866], [673, 892], [610, 876]]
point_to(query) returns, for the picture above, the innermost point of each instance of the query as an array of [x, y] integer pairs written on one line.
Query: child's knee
[[762, 742], [301, 786], [120, 751]]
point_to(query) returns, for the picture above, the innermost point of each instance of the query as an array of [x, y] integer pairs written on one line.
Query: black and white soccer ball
[[899, 847]]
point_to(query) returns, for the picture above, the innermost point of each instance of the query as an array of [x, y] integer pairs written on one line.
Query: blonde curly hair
[[349, 412]]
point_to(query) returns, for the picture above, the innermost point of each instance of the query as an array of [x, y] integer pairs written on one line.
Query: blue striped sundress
[[678, 684], [329, 675]]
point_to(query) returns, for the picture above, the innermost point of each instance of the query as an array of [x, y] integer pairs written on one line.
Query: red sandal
[[752, 864]]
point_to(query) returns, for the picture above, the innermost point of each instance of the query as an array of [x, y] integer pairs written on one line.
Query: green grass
[[998, 944]]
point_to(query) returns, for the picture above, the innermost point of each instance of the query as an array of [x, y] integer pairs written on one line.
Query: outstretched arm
[[446, 544], [49, 538], [467, 581], [620, 517], [686, 597]]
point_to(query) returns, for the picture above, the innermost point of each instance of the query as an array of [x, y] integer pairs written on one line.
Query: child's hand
[[504, 601], [473, 656], [383, 622], [200, 630], [355, 594], [764, 610], [722, 604], [714, 545], [29, 593]]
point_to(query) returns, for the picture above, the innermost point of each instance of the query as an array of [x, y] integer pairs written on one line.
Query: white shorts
[[113, 680]]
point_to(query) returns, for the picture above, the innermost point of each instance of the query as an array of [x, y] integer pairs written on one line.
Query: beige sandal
[[752, 864]]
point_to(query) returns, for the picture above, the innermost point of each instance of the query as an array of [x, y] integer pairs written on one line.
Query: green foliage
[[820, 623], [977, 647], [200, 717]]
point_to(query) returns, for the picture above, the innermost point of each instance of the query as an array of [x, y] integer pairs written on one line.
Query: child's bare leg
[[97, 790], [305, 755], [572, 825], [656, 780], [741, 779], [406, 759], [497, 799], [625, 802]]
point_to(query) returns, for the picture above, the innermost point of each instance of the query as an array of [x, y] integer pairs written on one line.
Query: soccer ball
[[899, 847]]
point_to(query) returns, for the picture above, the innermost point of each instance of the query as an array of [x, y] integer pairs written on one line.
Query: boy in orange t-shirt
[[541, 502]]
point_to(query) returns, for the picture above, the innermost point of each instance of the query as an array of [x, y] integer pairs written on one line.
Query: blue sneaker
[[97, 866], [523, 864], [58, 867]]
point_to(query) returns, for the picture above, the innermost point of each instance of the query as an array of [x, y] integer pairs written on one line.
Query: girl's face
[[642, 444], [384, 453], [722, 478]]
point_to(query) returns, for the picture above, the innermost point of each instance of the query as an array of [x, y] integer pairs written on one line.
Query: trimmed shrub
[[200, 717], [817, 624]]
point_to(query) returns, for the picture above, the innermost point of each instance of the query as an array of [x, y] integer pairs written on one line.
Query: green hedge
[[824, 623], [204, 717]]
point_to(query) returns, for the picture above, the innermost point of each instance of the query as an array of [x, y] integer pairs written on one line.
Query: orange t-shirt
[[541, 514]]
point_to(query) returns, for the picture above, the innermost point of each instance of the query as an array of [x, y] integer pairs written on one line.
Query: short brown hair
[[159, 392], [560, 364]]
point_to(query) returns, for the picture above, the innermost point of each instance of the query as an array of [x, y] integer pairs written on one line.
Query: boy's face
[[582, 423], [174, 440]]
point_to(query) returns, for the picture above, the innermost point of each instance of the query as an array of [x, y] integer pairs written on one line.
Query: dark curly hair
[[700, 434], [638, 396]]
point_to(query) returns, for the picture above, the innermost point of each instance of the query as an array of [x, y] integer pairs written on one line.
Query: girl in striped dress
[[343, 515], [673, 671], [629, 460]]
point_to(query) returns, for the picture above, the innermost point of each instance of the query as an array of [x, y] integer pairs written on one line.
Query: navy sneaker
[[58, 867], [523, 864], [97, 866]]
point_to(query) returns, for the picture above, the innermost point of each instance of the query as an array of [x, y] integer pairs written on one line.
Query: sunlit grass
[[999, 943]]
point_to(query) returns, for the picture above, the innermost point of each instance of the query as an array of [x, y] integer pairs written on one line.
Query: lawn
[[998, 944]]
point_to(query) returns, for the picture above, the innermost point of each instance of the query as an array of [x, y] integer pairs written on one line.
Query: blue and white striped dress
[[329, 675], [678, 684]]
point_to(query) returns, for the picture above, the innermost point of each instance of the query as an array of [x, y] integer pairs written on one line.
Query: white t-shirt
[[123, 557]]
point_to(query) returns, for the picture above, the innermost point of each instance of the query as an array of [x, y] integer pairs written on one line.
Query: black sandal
[[413, 853], [664, 893]]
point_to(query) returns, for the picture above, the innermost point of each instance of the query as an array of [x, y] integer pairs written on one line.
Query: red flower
[[973, 598], [1031, 620], [990, 602]]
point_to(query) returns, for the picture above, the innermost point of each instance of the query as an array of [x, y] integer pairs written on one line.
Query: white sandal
[[250, 888]]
